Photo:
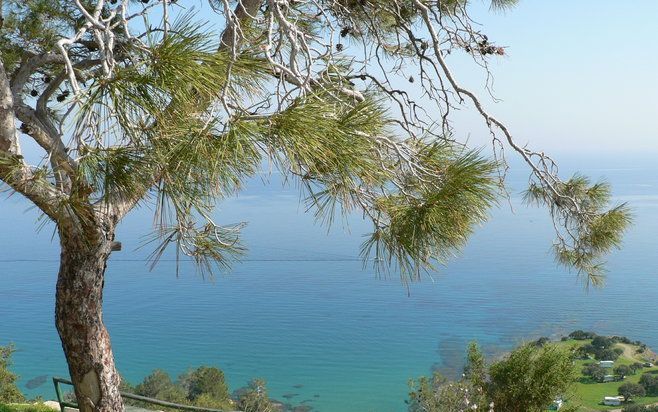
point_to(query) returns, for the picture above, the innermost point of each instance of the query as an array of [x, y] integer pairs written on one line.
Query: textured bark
[[79, 319]]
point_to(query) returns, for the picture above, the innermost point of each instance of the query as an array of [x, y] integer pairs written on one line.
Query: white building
[[606, 363], [613, 400], [609, 378]]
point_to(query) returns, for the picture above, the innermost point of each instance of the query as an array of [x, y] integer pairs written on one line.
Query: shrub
[[9, 392], [602, 342], [636, 367], [594, 371], [208, 401], [650, 383], [530, 378], [155, 384], [254, 397], [640, 408], [623, 370], [581, 335], [37, 407], [631, 390], [606, 354], [206, 381], [541, 341], [622, 339], [203, 386]]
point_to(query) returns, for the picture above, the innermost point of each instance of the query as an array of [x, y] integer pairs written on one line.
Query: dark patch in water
[[298, 386], [316, 396], [452, 351], [307, 400], [302, 408], [36, 382], [290, 395]]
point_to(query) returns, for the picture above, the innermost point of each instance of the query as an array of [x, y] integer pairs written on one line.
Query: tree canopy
[[528, 379], [141, 102], [9, 391]]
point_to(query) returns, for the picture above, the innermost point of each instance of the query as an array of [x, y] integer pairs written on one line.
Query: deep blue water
[[299, 310]]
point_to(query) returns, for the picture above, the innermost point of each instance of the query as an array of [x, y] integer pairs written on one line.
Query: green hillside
[[589, 393]]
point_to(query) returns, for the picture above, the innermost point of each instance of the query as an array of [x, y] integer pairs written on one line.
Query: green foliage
[[34, 26], [602, 342], [9, 392], [254, 398], [650, 383], [320, 137], [205, 381], [602, 348], [636, 366], [475, 370], [159, 385], [433, 225], [203, 386], [437, 394], [36, 407], [181, 121], [151, 107], [581, 335], [530, 378], [640, 408], [623, 370], [591, 230], [631, 390], [594, 371]]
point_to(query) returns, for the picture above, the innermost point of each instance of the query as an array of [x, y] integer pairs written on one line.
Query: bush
[[530, 378], [203, 386], [581, 335], [254, 397], [594, 371], [623, 370], [158, 385], [607, 354], [622, 339], [637, 366], [9, 392], [640, 408], [37, 407], [541, 341], [602, 342], [650, 383], [631, 390], [208, 401], [206, 381], [155, 384]]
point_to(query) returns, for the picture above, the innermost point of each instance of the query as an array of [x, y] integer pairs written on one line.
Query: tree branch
[[13, 169], [37, 123]]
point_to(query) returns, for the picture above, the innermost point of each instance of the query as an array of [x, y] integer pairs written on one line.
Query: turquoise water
[[300, 310]]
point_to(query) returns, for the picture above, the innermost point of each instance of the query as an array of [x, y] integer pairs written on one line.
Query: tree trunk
[[79, 319]]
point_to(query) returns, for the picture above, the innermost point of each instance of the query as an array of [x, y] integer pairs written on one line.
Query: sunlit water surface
[[301, 312]]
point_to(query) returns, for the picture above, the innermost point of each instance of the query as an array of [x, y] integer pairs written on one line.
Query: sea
[[303, 312]]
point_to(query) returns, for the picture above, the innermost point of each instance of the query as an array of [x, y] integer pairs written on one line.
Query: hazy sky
[[579, 76]]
